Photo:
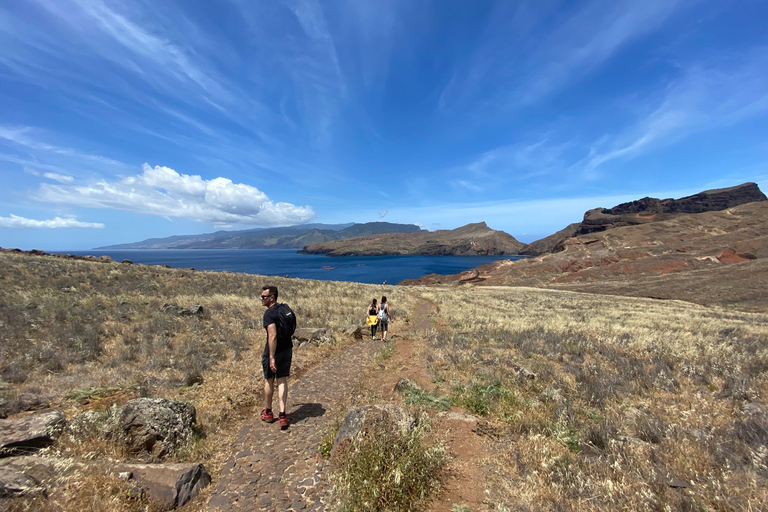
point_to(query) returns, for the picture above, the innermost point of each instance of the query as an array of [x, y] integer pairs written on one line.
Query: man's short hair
[[272, 290]]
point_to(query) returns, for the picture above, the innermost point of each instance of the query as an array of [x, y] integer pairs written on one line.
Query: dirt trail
[[272, 469]]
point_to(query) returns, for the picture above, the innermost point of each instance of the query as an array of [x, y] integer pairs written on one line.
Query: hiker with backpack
[[371, 318], [383, 317], [280, 323]]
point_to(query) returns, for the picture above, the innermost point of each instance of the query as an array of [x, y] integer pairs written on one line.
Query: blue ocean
[[282, 262]]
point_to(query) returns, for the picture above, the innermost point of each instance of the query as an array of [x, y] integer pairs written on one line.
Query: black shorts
[[283, 363]]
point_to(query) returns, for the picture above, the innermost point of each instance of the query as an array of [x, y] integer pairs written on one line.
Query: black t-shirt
[[270, 317]]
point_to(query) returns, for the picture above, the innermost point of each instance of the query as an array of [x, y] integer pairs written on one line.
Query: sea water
[[287, 262]]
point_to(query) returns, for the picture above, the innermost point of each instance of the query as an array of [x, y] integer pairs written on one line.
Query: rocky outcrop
[[718, 257], [313, 335], [551, 242], [30, 433], [470, 240], [172, 484], [649, 209], [154, 426], [157, 425]]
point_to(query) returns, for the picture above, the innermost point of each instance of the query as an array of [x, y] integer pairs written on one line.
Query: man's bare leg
[[269, 391], [282, 393]]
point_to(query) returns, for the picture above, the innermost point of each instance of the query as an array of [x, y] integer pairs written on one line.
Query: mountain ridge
[[289, 237], [717, 257], [475, 239]]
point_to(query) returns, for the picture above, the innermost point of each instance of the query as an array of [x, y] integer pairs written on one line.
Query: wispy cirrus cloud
[[512, 163], [515, 65], [163, 192], [61, 178], [702, 98], [14, 221]]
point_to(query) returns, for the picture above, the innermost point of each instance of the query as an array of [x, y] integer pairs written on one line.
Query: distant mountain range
[[291, 237]]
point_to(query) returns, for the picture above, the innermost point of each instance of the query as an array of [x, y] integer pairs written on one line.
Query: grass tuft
[[386, 469]]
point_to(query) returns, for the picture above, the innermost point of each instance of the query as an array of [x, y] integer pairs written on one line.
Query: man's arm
[[272, 342]]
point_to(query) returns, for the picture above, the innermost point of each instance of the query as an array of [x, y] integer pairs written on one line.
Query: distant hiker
[[385, 281], [371, 318], [383, 317], [279, 323]]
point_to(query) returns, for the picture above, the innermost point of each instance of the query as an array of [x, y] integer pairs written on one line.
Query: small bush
[[386, 469]]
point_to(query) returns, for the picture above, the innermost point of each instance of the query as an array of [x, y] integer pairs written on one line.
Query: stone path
[[283, 470]]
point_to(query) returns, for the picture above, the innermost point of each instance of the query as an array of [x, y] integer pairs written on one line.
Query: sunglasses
[[264, 296]]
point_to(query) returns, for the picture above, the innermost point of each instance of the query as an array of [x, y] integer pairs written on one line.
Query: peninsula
[[470, 240]]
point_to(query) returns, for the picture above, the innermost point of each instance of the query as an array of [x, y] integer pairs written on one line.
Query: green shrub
[[385, 469]]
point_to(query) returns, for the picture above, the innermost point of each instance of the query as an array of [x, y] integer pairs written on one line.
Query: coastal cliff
[[471, 240]]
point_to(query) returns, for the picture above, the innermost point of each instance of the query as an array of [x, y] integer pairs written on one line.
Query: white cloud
[[58, 177], [14, 221], [163, 192], [61, 178], [383, 213]]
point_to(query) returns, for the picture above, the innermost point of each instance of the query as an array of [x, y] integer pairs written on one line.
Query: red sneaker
[[267, 416], [283, 422]]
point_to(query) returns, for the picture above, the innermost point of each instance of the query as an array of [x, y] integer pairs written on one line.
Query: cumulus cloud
[[164, 192], [14, 221]]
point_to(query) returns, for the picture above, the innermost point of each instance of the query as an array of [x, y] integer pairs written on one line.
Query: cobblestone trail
[[273, 469]]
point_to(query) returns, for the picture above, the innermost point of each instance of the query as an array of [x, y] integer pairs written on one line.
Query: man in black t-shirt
[[275, 361]]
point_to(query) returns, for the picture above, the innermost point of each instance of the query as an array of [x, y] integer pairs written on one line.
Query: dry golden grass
[[632, 397], [634, 405]]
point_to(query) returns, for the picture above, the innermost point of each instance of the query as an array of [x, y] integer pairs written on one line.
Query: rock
[[355, 331], [94, 423], [649, 209], [22, 402], [456, 416], [399, 314], [313, 335], [174, 309], [752, 426], [403, 384], [157, 425], [30, 433], [14, 482], [369, 417], [523, 371], [31, 474], [172, 484]]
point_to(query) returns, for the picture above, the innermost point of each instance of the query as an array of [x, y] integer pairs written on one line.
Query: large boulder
[[172, 484], [30, 433], [368, 418], [157, 425]]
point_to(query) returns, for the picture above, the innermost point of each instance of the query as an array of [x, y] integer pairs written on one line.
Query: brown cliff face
[[470, 240], [712, 258], [649, 209]]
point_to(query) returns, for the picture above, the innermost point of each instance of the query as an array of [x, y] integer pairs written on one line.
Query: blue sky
[[122, 121]]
